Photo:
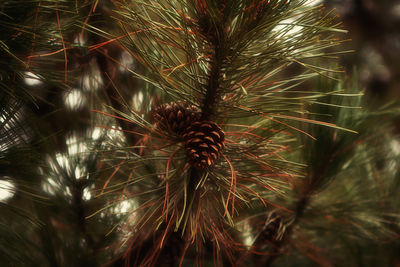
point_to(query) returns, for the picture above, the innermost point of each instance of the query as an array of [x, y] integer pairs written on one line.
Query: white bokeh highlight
[[126, 62], [6, 189], [32, 79], [74, 99]]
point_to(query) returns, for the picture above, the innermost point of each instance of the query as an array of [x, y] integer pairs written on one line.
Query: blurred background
[[374, 33], [47, 129]]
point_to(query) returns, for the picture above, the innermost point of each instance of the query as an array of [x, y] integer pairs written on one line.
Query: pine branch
[[323, 164], [224, 61], [276, 243], [327, 157], [233, 69], [213, 27], [79, 206], [279, 244], [212, 96]]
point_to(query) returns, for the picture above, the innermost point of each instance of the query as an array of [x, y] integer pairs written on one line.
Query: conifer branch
[[302, 204], [278, 245], [214, 33], [78, 205], [213, 85]]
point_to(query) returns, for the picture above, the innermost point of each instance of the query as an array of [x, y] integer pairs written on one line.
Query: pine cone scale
[[176, 117], [204, 140], [203, 143]]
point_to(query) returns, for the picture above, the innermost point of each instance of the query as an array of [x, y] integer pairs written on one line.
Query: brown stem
[[278, 245], [79, 208], [301, 206], [215, 35], [213, 84]]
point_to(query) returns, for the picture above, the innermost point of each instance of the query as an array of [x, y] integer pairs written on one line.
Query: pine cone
[[175, 117], [203, 143]]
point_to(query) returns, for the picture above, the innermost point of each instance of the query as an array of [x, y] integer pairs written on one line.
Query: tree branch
[[215, 35], [301, 206], [213, 84]]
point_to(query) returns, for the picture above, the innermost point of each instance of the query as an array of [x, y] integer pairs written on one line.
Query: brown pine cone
[[203, 143], [176, 117]]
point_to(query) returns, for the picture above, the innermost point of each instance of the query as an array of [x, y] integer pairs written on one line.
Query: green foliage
[[308, 173], [345, 188]]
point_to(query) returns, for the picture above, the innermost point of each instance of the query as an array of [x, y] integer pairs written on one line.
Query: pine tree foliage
[[338, 197], [279, 161], [211, 55], [37, 72]]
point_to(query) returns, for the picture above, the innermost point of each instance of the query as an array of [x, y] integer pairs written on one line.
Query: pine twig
[[302, 204], [213, 84], [79, 208], [278, 245], [214, 32]]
